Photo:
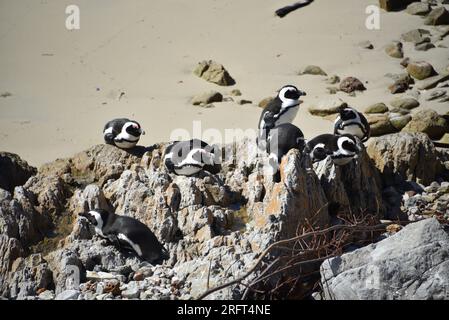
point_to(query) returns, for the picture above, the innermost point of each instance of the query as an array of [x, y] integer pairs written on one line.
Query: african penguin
[[187, 158], [280, 140], [341, 148], [128, 233], [353, 122], [123, 133], [282, 109]]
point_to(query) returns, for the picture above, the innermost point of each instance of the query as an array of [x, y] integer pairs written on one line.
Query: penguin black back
[[350, 121], [281, 140], [128, 233]]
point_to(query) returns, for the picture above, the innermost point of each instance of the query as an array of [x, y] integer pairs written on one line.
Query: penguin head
[[97, 217], [347, 144], [289, 95], [133, 128], [348, 113]]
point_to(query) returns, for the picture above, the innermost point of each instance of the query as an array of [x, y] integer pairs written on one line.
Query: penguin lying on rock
[[341, 148], [123, 133], [128, 233], [188, 158]]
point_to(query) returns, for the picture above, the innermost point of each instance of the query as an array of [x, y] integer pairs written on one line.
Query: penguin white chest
[[288, 116], [353, 129]]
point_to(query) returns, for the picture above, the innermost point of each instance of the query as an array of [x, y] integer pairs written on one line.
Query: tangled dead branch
[[289, 269]]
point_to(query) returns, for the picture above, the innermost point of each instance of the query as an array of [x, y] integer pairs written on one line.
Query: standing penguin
[[187, 158], [353, 122], [122, 132], [341, 148], [129, 233], [280, 140], [282, 109]]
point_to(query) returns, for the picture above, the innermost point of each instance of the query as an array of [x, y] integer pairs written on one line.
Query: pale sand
[[146, 48]]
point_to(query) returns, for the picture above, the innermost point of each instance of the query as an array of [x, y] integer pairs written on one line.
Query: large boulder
[[14, 171], [429, 122], [412, 264], [405, 156]]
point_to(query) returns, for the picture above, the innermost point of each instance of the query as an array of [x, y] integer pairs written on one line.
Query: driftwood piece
[[282, 12]]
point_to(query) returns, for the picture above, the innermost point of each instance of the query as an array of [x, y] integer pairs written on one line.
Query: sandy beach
[[135, 59]]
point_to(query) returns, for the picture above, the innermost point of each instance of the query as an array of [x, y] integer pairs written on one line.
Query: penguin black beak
[[142, 132], [302, 93]]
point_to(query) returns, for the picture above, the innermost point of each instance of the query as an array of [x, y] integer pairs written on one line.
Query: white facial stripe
[[99, 226], [108, 131], [133, 245], [342, 150], [319, 145], [286, 102], [190, 160]]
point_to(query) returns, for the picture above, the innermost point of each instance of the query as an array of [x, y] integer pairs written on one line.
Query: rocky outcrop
[[355, 187], [405, 156], [214, 226], [411, 264], [14, 171]]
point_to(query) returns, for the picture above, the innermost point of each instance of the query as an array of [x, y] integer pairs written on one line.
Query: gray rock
[[47, 295], [68, 295], [433, 95], [334, 79], [438, 16], [351, 84], [313, 70], [394, 50], [412, 264], [420, 70], [418, 8], [405, 103], [415, 35], [206, 98], [214, 72], [424, 46], [432, 82], [14, 171], [429, 122], [380, 124], [327, 107], [399, 122], [377, 108]]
